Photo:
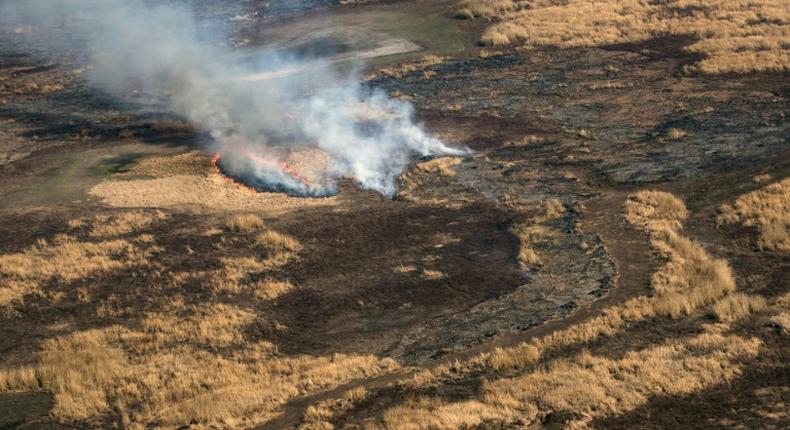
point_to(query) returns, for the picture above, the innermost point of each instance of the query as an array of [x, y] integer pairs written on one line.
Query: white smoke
[[369, 136]]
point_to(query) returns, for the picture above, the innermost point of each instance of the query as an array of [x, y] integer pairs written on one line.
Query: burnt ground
[[600, 120]]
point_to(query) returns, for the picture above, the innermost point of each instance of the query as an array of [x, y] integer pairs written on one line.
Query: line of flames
[[273, 164]]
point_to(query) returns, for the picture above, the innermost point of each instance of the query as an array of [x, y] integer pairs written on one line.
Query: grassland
[[732, 36]]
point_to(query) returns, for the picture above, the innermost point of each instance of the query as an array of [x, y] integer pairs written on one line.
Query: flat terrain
[[614, 253]]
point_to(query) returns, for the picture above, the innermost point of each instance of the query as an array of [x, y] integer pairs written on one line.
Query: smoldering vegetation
[[255, 110]]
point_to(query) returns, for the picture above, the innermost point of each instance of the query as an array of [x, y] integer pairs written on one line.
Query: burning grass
[[734, 36], [767, 209], [189, 179]]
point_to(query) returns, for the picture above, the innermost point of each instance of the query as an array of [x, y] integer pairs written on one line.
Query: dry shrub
[[123, 223], [269, 289], [442, 165], [245, 223], [64, 260], [737, 306], [586, 385], [735, 36], [767, 209]]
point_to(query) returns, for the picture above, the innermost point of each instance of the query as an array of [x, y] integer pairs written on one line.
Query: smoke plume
[[255, 109]]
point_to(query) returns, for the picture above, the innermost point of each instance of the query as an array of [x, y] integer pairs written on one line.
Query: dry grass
[[691, 278], [173, 372], [269, 289], [64, 260], [404, 69], [654, 210], [484, 8], [782, 320], [245, 223], [530, 235], [443, 166], [586, 385], [737, 306], [734, 35], [123, 223], [675, 134], [318, 417], [767, 209]]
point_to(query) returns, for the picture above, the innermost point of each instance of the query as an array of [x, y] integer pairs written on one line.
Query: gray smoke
[[252, 108]]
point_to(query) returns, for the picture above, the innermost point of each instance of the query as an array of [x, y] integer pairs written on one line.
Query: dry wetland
[[401, 214]]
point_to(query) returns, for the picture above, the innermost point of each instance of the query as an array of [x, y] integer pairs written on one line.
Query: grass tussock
[[734, 36], [768, 210], [737, 306], [245, 224]]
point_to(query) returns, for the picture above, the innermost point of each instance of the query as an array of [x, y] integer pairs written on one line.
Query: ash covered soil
[[434, 276]]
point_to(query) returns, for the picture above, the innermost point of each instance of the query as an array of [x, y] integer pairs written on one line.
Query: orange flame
[[272, 164]]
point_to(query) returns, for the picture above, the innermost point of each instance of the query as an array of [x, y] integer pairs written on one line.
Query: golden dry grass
[[123, 223], [675, 134], [245, 223], [270, 289], [734, 35], [586, 385], [406, 68], [653, 210], [689, 281], [317, 417], [768, 210], [65, 259], [737, 306], [483, 8], [691, 278], [444, 166], [172, 372], [530, 235], [782, 320]]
